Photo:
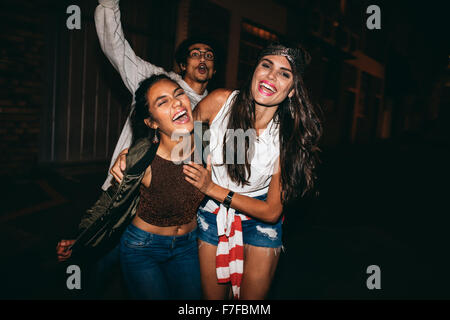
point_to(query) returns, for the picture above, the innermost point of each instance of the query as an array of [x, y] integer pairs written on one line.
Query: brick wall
[[22, 88]]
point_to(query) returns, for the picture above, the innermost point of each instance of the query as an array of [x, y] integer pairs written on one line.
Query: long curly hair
[[299, 129]]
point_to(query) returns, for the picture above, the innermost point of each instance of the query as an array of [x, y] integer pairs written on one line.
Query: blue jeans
[[160, 267]]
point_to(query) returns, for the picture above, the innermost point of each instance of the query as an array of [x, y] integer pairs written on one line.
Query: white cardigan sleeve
[[132, 69]]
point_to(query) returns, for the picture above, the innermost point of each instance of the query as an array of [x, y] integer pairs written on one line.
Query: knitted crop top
[[170, 200]]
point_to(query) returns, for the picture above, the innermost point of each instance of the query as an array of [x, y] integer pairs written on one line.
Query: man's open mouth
[[202, 68]]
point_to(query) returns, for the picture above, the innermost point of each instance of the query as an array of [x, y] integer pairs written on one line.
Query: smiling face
[[199, 67], [272, 81], [170, 108]]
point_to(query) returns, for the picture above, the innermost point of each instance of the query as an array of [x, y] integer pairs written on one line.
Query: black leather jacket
[[102, 225]]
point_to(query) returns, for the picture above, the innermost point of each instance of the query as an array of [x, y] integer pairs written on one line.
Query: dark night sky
[[419, 35]]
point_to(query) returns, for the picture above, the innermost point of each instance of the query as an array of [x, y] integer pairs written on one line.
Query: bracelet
[[227, 201]]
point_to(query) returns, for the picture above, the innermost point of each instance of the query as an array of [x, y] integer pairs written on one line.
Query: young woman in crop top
[[240, 220], [158, 250]]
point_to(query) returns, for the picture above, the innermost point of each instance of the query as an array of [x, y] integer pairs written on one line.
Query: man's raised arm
[[132, 69]]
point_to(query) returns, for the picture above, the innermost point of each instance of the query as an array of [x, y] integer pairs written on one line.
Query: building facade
[[62, 102]]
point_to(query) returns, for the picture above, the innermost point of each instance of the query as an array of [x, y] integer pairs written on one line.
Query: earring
[[155, 139]]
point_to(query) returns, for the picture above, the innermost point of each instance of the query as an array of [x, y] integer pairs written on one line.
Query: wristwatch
[[227, 201]]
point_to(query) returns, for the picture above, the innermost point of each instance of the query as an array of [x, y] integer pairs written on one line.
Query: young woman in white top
[[247, 185]]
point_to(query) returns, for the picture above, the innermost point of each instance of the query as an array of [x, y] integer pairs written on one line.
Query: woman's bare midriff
[[165, 231]]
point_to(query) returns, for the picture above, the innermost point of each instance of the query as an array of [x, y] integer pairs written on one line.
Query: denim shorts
[[254, 232]]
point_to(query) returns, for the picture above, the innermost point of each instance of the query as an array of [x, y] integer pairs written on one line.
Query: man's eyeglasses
[[196, 54]]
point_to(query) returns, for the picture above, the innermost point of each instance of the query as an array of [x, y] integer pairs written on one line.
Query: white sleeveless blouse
[[263, 164]]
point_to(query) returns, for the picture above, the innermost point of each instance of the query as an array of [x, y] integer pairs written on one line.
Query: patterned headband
[[298, 57]]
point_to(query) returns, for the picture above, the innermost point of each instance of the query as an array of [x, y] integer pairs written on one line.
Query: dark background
[[382, 180]]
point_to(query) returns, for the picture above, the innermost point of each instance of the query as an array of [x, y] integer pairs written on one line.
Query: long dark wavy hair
[[141, 112], [299, 129]]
